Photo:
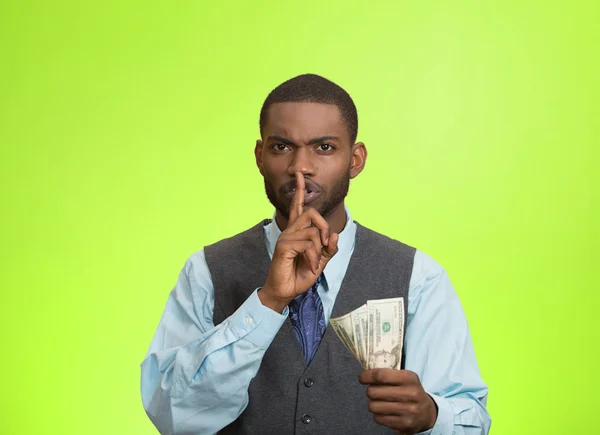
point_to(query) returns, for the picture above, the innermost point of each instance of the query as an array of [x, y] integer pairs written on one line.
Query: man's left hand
[[398, 400]]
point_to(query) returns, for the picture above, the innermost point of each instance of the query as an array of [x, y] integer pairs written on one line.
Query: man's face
[[310, 138]]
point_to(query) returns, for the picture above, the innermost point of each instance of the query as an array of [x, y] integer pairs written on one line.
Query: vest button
[[306, 419], [309, 382]]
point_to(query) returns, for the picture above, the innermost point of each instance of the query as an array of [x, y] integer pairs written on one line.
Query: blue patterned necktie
[[308, 321]]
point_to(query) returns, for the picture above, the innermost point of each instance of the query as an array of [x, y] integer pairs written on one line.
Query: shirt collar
[[336, 268]]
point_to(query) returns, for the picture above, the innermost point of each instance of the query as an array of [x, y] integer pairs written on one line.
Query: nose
[[302, 162]]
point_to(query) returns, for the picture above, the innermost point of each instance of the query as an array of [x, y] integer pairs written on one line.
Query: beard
[[329, 199]]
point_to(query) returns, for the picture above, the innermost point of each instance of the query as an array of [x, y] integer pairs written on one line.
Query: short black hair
[[312, 88]]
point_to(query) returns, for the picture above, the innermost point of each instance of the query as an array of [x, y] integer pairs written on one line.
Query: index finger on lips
[[297, 204]]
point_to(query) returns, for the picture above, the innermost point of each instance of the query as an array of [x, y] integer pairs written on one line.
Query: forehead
[[304, 121]]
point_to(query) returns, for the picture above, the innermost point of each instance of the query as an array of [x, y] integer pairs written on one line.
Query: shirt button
[[309, 382], [306, 419], [249, 320]]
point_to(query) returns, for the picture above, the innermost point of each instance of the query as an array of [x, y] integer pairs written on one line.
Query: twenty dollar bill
[[374, 332]]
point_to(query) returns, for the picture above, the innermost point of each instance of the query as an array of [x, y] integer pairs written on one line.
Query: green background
[[127, 135]]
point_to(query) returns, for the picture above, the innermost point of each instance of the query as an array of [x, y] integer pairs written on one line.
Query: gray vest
[[287, 396]]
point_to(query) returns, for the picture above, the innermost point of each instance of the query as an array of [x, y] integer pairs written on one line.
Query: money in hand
[[374, 332], [386, 332]]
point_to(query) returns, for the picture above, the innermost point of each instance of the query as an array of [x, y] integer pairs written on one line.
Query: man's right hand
[[302, 251]]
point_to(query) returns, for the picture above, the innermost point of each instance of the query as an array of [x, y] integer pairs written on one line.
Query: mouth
[[311, 192], [309, 195]]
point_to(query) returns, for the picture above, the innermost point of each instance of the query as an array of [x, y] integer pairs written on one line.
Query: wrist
[[277, 305]]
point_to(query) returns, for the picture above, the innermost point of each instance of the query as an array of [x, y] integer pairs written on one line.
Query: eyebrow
[[311, 142]]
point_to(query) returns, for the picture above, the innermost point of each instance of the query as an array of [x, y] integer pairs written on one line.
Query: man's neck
[[336, 219]]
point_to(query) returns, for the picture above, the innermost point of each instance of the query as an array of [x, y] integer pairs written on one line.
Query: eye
[[279, 147], [326, 147]]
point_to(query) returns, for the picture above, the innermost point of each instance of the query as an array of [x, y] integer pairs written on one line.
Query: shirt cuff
[[256, 323], [444, 424]]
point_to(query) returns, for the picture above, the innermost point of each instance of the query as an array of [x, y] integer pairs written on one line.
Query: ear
[[359, 159], [258, 156]]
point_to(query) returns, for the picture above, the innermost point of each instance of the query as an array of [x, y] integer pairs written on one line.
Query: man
[[243, 345]]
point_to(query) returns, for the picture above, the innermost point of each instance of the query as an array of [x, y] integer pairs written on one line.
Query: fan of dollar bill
[[374, 333]]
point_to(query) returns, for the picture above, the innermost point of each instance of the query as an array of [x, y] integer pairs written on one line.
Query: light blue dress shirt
[[195, 376]]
